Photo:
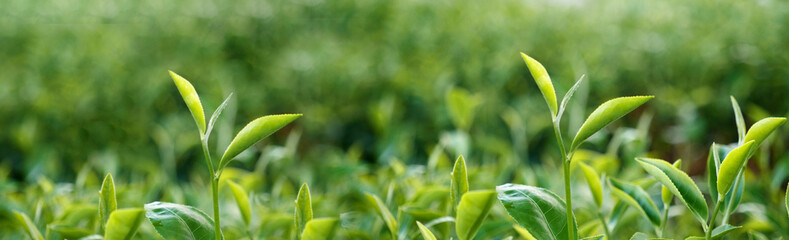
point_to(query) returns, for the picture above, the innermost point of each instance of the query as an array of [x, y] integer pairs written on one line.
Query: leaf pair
[[308, 228], [116, 223]]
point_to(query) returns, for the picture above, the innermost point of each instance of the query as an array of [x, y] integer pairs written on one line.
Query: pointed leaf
[[605, 114], [679, 183], [733, 198], [594, 183], [787, 199], [215, 115], [458, 184], [666, 194], [107, 200], [242, 200], [384, 213], [543, 82], [303, 212], [30, 227], [426, 233], [731, 166], [123, 223], [567, 97], [472, 211], [176, 221], [637, 198], [538, 210], [760, 130], [738, 119], [191, 99], [523, 232], [253, 132], [712, 172], [320, 229], [721, 231]]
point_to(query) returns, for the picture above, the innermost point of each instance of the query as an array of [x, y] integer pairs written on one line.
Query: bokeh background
[[84, 84]]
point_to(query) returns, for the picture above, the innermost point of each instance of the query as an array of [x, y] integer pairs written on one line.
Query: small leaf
[[637, 198], [679, 183], [303, 212], [731, 166], [253, 132], [712, 171], [733, 198], [786, 201], [760, 130], [176, 221], [605, 114], [458, 184], [215, 115], [191, 99], [738, 119], [567, 97], [107, 200], [320, 229], [123, 223], [721, 231], [426, 233], [666, 194], [523, 232], [594, 183], [242, 200], [598, 237], [384, 213], [462, 106], [538, 210], [29, 226], [543, 82], [472, 211]]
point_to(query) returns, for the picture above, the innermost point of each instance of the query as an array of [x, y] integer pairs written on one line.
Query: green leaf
[[458, 184], [713, 162], [426, 233], [721, 231], [176, 221], [538, 210], [731, 166], [462, 106], [303, 212], [215, 116], [253, 132], [605, 114], [760, 130], [738, 119], [123, 223], [787, 199], [637, 198], [679, 183], [29, 226], [666, 194], [320, 229], [543, 82], [732, 199], [384, 213], [598, 237], [242, 200], [594, 183], [472, 211], [523, 232], [107, 200], [567, 97], [644, 236], [191, 99]]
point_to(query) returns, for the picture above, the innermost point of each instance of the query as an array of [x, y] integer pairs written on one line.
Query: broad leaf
[[107, 200], [458, 184], [123, 223], [543, 82], [384, 213], [176, 221], [472, 211], [721, 231], [605, 114], [760, 130], [637, 198], [538, 210], [426, 233], [253, 132], [594, 183], [303, 212], [242, 200], [30, 227], [679, 183], [666, 194], [731, 166], [191, 99], [320, 229]]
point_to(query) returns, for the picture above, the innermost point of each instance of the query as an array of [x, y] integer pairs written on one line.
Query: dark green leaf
[[176, 221], [679, 183], [538, 210], [637, 198]]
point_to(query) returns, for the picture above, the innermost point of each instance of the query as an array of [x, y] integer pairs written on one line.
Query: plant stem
[[665, 221], [605, 225], [712, 220], [214, 187], [728, 206], [567, 193]]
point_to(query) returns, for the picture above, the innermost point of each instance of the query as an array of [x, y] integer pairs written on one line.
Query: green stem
[[605, 225], [728, 206], [712, 219], [567, 193], [665, 221], [215, 192]]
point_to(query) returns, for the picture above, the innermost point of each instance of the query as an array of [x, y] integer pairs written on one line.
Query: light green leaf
[[538, 210], [738, 119], [29, 226], [65, 231], [760, 130], [679, 183], [303, 212], [605, 114], [721, 231], [472, 211], [594, 183], [215, 116], [123, 223], [462, 106], [666, 194], [426, 233], [107, 200], [523, 232], [644, 236], [567, 97], [731, 166], [320, 229], [543, 82], [458, 184], [713, 162], [732, 199], [637, 198], [598, 237], [191, 99], [384, 213], [92, 237], [242, 200], [787, 199], [253, 132], [176, 221]]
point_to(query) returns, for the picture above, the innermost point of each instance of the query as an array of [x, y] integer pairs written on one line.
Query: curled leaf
[[543, 82], [191, 99]]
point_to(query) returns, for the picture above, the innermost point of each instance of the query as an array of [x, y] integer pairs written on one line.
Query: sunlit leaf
[[679, 183], [107, 200], [738, 119], [384, 213], [760, 130], [637, 198], [253, 132], [472, 211], [666, 194], [176, 221], [713, 162], [605, 114], [594, 183], [426, 233], [191, 99], [242, 200], [303, 212], [538, 210], [458, 184], [320, 229], [215, 116], [123, 223], [543, 82], [731, 166], [598, 237], [523, 232], [30, 227]]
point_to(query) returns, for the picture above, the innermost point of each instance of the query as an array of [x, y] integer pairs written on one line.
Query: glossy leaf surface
[[472, 211], [679, 183], [538, 210], [605, 114], [191, 99], [253, 132], [543, 82], [176, 221], [731, 166], [637, 198]]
